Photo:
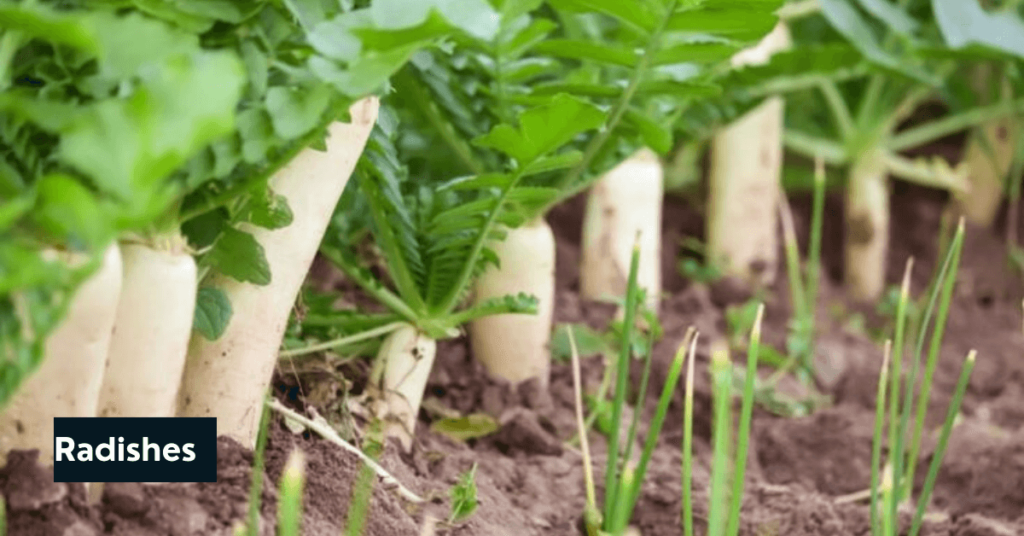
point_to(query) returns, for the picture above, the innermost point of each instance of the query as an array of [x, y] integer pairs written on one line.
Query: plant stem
[[876, 444], [743, 435], [372, 287], [343, 341], [687, 513], [940, 449], [895, 428], [923, 174], [256, 487], [933, 130], [837, 105], [814, 245], [947, 282], [814, 147], [612, 490], [588, 470], [721, 374], [289, 505]]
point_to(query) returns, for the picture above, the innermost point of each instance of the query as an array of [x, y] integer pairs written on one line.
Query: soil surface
[[530, 479]]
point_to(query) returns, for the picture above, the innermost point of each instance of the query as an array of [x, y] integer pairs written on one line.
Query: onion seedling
[[624, 475], [289, 502], [728, 476], [888, 491]]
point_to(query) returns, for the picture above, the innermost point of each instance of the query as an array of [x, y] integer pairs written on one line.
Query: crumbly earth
[[530, 481]]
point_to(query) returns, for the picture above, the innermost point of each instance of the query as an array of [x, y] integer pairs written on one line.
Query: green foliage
[[213, 312], [907, 415], [463, 496], [471, 426]]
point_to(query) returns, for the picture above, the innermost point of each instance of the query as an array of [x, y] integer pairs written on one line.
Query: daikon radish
[[988, 155], [228, 378], [407, 357], [626, 201], [745, 169], [67, 382], [151, 334], [515, 347], [867, 227]]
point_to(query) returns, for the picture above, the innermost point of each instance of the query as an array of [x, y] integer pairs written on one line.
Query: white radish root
[[867, 227], [989, 155], [151, 334], [228, 378], [407, 357], [515, 347], [745, 169], [626, 201], [67, 382]]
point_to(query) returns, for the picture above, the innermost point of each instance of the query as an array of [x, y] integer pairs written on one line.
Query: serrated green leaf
[[639, 14], [694, 53], [295, 111], [656, 135], [463, 496], [544, 129], [239, 256], [588, 342], [581, 49], [726, 19], [269, 210], [213, 313]]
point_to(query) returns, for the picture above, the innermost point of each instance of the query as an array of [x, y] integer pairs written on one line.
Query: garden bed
[[529, 482]]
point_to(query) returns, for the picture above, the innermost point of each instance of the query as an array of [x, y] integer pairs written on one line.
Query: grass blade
[[289, 505], [895, 430], [591, 514], [256, 486], [940, 449], [876, 444], [671, 382], [687, 513], [721, 374], [947, 282], [621, 383], [743, 435], [640, 398]]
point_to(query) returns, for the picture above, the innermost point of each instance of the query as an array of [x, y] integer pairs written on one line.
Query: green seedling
[[728, 470], [252, 527], [362, 489], [892, 485], [289, 502], [624, 474], [463, 496]]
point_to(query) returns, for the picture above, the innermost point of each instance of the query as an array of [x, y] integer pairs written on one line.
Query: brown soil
[[531, 483]]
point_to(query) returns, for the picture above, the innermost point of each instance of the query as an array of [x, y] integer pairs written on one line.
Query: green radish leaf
[[694, 53], [213, 313], [463, 495], [588, 342], [846, 20], [891, 15], [581, 49], [475, 17], [642, 15], [13, 209], [269, 210], [544, 128], [67, 208], [743, 21], [964, 22], [472, 426], [203, 230], [657, 136], [238, 255], [294, 112]]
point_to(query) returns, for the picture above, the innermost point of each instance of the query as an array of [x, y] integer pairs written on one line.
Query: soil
[[530, 481]]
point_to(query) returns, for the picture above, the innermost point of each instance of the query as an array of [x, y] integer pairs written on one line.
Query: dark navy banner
[[133, 449]]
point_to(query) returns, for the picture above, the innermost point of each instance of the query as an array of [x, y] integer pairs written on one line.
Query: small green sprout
[[463, 495], [289, 504]]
